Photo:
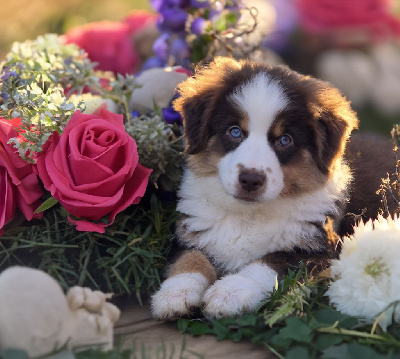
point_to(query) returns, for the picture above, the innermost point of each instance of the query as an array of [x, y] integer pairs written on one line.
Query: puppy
[[264, 168]]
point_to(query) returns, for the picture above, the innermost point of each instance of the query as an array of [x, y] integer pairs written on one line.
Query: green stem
[[86, 263], [354, 333], [273, 351]]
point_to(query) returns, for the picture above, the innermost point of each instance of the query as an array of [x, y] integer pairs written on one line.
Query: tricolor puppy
[[264, 169]]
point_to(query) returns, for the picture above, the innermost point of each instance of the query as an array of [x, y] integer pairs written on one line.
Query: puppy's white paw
[[178, 296], [239, 293]]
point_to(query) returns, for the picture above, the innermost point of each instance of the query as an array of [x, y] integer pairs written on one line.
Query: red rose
[[92, 169], [107, 43], [319, 16], [18, 183]]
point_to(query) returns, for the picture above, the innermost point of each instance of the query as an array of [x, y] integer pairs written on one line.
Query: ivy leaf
[[221, 331], [183, 325], [325, 341], [247, 320], [296, 330], [298, 352], [197, 327], [351, 351], [331, 316]]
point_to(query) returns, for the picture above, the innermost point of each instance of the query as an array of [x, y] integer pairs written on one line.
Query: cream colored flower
[[366, 278], [93, 102]]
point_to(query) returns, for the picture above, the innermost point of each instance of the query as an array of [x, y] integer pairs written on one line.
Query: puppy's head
[[266, 131]]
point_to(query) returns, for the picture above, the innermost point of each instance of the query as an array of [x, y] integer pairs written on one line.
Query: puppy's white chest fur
[[235, 233]]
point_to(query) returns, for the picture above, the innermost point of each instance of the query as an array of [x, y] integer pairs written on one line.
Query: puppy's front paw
[[178, 296], [239, 293]]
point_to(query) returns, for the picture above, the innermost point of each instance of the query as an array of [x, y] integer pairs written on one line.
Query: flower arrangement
[[73, 166]]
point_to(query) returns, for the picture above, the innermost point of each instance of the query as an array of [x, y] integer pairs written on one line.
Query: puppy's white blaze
[[253, 153], [261, 98], [239, 293]]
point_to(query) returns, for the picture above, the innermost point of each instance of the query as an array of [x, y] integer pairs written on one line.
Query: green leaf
[[298, 352], [331, 316], [328, 340], [296, 330], [197, 327], [221, 331], [247, 320], [13, 354], [183, 325], [220, 24], [65, 354], [48, 203], [351, 351]]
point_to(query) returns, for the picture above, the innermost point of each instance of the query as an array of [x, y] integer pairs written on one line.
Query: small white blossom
[[93, 102], [366, 278]]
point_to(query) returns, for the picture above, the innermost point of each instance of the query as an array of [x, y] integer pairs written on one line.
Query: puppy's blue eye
[[235, 132], [285, 140]]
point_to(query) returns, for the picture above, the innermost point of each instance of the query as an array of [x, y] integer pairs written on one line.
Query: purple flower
[[9, 74], [161, 47], [152, 62], [198, 26], [171, 116], [180, 51], [200, 3], [172, 19], [135, 114], [156, 4]]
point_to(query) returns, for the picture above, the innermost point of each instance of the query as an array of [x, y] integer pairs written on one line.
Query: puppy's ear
[[193, 111], [335, 121], [199, 95]]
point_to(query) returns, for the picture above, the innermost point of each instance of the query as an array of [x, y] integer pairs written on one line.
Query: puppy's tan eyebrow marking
[[278, 127]]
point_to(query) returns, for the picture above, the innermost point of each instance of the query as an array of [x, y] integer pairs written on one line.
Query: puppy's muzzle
[[251, 180]]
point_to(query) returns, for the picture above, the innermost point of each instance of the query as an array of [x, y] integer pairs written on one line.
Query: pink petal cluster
[[92, 169], [374, 16], [110, 44], [18, 182]]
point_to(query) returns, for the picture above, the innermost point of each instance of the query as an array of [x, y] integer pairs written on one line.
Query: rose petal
[[7, 203], [87, 226]]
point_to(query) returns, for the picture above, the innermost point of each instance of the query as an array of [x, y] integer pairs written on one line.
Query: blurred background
[[355, 44], [26, 19]]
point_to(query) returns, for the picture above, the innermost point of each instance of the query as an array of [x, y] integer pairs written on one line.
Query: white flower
[[366, 278], [157, 86], [93, 102]]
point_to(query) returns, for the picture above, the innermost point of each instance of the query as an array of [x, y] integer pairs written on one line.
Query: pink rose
[[374, 16], [138, 20], [18, 183], [107, 43], [92, 169]]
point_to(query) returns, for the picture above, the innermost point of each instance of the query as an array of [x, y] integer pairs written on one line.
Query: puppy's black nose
[[251, 180]]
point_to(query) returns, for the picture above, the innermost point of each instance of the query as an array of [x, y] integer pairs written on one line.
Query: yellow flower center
[[376, 267]]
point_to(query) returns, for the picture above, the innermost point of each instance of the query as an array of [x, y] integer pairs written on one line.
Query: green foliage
[[160, 147], [297, 322], [127, 259], [33, 78], [121, 351]]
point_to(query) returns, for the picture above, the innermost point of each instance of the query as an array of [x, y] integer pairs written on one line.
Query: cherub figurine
[[37, 317]]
